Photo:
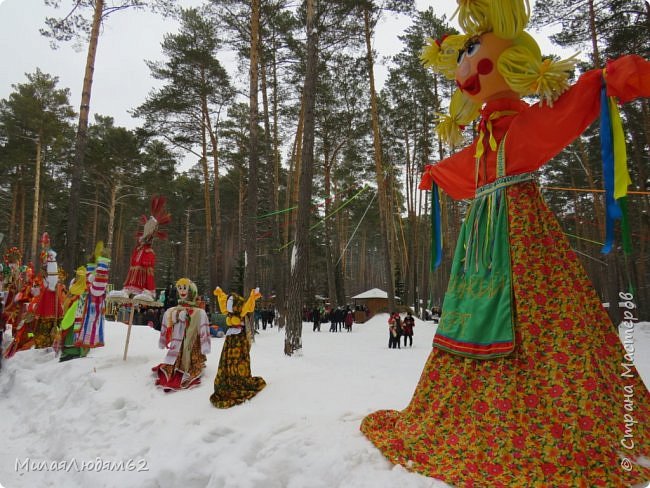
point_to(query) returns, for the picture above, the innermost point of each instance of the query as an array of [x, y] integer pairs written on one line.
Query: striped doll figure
[[91, 333]]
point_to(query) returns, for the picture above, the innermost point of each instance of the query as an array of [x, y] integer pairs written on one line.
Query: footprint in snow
[[214, 434], [96, 382]]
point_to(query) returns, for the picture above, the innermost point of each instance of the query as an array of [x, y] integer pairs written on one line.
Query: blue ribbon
[[436, 229], [612, 209]]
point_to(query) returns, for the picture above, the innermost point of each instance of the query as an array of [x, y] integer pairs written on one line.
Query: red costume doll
[[140, 278]]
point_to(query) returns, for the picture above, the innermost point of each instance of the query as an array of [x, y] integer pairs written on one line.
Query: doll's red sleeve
[[539, 133], [455, 174], [628, 78]]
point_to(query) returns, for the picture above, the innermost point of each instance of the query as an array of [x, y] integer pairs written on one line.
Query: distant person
[[271, 312], [334, 317], [349, 319], [315, 317], [393, 334], [407, 329], [171, 297], [264, 316], [257, 316]]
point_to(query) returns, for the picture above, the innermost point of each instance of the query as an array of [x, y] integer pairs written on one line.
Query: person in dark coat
[[407, 329], [334, 316], [315, 317], [271, 311], [349, 319]]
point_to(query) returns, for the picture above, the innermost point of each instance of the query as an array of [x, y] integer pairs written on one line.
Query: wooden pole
[[128, 333]]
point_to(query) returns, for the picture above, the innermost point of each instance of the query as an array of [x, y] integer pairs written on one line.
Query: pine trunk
[[15, 189], [80, 143], [207, 201], [280, 289], [329, 229], [384, 215], [95, 217], [293, 339], [593, 34], [250, 270], [111, 216], [217, 265], [21, 215], [37, 194]]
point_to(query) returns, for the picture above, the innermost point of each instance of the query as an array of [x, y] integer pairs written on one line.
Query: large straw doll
[[49, 308], [524, 385], [140, 279], [74, 307], [234, 383], [185, 332], [91, 331]]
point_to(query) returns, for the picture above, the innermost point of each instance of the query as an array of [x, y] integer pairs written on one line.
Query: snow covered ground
[[82, 418]]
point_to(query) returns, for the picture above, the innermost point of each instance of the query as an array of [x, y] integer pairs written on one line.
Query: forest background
[[306, 180]]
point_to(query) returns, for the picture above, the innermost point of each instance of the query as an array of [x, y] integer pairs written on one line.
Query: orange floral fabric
[[550, 415]]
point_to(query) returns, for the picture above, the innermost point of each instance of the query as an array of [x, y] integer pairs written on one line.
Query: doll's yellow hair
[[506, 18], [462, 111], [191, 287], [442, 56], [521, 65], [527, 73]]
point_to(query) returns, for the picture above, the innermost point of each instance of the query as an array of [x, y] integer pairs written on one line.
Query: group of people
[[341, 318], [398, 328], [265, 316], [338, 318]]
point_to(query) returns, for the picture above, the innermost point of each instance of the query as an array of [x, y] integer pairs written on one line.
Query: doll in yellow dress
[[234, 383]]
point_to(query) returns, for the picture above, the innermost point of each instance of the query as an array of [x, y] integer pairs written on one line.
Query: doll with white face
[[185, 333]]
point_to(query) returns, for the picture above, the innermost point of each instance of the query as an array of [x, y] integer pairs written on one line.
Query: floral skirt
[[561, 411], [234, 384], [172, 377], [44, 332]]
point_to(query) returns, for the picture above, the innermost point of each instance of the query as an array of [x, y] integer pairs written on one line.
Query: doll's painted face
[[476, 73], [183, 290], [186, 290]]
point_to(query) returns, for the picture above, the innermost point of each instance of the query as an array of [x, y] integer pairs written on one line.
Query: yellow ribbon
[[621, 173], [480, 147]]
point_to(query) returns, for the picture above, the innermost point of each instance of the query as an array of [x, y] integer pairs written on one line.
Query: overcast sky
[[121, 80]]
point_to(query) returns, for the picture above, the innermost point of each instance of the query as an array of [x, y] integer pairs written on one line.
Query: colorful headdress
[[158, 218], [13, 255]]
